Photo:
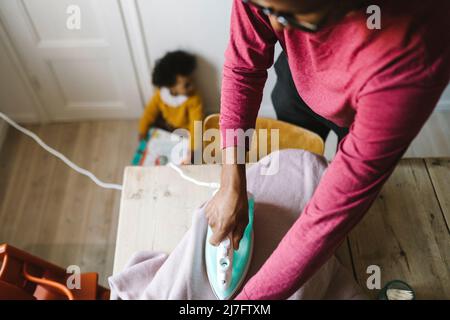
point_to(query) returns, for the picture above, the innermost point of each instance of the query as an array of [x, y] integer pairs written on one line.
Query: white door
[[79, 71]]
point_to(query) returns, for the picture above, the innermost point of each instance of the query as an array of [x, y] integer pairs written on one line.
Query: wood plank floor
[[51, 211], [405, 232], [432, 141]]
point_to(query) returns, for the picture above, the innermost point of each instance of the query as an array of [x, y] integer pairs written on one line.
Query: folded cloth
[[282, 183]]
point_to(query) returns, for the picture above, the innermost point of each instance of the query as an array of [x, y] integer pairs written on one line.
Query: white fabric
[[171, 100], [279, 199]]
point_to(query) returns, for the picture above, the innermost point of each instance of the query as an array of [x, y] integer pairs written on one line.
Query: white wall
[[200, 26]]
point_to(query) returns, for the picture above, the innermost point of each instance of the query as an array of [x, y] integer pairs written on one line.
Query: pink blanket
[[282, 184]]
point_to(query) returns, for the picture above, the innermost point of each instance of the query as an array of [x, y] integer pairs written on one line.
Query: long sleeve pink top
[[382, 84]]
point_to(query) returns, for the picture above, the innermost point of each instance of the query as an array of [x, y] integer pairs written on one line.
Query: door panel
[[15, 100], [78, 74], [48, 20]]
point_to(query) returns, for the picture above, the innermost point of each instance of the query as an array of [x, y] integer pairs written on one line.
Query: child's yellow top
[[178, 116]]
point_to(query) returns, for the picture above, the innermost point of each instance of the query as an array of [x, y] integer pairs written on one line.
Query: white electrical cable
[[89, 174], [212, 185], [60, 156]]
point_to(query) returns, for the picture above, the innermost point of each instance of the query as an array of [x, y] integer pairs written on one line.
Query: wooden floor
[[51, 211], [432, 141], [406, 231]]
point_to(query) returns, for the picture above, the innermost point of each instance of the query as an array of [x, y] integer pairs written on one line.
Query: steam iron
[[227, 268]]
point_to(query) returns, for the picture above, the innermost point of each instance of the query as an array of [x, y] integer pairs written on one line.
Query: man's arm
[[248, 56], [385, 124]]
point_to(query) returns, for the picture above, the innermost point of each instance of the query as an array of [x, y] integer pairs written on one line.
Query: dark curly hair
[[172, 64]]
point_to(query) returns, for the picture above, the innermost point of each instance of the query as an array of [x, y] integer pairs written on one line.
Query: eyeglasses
[[287, 19]]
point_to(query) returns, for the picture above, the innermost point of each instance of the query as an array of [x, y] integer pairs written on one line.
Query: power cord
[[89, 174], [212, 185], [60, 156]]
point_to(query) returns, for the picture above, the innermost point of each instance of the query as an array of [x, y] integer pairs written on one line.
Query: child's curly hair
[[172, 64]]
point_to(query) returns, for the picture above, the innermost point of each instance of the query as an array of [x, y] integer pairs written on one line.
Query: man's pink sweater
[[382, 84]]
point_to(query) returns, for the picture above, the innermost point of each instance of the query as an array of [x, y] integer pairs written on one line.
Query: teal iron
[[227, 268]]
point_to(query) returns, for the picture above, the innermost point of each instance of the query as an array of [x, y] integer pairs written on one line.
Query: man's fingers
[[237, 235], [219, 234], [209, 211]]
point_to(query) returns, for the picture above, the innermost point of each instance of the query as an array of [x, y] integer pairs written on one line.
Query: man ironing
[[374, 88]]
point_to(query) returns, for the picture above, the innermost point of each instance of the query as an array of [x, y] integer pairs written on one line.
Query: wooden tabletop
[[405, 233]]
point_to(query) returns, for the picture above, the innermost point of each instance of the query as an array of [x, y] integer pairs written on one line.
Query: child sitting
[[175, 104]]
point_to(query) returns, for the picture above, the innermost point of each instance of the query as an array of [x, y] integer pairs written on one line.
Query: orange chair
[[26, 277]]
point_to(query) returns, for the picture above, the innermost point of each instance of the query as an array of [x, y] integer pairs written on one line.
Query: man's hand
[[227, 212]]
